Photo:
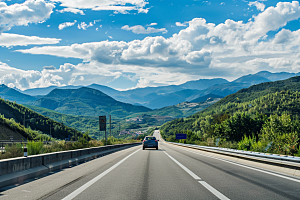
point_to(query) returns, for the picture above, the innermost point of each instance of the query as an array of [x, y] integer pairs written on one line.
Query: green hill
[[14, 95], [267, 114], [86, 101], [37, 126]]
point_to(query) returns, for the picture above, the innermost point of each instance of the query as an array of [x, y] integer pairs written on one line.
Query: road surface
[[171, 172]]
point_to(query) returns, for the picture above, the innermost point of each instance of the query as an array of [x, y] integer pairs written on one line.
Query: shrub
[[35, 148], [14, 150]]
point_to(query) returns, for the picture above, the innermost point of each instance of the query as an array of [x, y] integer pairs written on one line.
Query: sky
[[127, 44]]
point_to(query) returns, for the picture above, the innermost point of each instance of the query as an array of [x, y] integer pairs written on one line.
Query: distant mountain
[[183, 109], [86, 101], [276, 76], [208, 97], [13, 95], [173, 98], [251, 79], [44, 91], [158, 97], [145, 96], [203, 84], [225, 89], [39, 91], [106, 90]]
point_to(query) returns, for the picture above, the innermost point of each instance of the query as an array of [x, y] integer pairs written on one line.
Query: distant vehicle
[[150, 142]]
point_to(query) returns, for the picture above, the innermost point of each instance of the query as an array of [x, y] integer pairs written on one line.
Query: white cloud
[[138, 29], [96, 21], [31, 11], [273, 18], [228, 49], [86, 74], [84, 26], [9, 39], [152, 24], [72, 10], [260, 6], [180, 24], [120, 6], [66, 24]]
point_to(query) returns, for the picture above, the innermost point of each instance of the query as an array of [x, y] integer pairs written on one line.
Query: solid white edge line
[[241, 165], [183, 167], [213, 190], [91, 182]]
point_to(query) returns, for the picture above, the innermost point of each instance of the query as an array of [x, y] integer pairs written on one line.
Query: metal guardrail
[[246, 153]]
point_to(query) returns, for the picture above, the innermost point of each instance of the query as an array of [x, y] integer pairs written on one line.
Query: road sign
[[102, 123], [180, 136]]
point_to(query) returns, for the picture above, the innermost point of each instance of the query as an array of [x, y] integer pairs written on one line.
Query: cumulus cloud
[[180, 24], [138, 29], [84, 26], [31, 11], [9, 40], [66, 24], [152, 24], [227, 49], [260, 6], [72, 10], [86, 74], [120, 6]]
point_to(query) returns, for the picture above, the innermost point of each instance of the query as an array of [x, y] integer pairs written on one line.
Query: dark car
[[150, 142]]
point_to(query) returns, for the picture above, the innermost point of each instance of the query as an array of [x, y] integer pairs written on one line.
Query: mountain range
[[158, 97], [151, 97]]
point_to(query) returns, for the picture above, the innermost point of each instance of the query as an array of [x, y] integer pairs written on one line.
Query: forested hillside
[[36, 126], [264, 117], [86, 101]]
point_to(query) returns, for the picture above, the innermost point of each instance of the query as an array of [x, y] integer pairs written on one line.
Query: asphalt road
[[168, 173]]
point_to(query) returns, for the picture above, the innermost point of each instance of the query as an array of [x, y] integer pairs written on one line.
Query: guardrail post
[[25, 151]]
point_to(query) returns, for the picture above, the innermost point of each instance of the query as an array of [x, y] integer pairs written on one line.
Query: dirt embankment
[[5, 133]]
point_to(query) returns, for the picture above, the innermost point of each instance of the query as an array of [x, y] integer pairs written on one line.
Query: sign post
[[102, 126]]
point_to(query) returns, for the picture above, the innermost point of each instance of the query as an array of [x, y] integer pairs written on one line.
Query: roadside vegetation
[[267, 123], [38, 147]]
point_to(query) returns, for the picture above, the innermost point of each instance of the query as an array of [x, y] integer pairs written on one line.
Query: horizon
[[58, 87], [134, 44]]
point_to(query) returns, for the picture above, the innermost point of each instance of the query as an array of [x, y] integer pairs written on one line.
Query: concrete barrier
[[16, 170]]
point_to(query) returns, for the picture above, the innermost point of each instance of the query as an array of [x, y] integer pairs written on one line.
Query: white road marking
[[259, 170], [203, 183], [183, 167], [213, 190], [91, 182]]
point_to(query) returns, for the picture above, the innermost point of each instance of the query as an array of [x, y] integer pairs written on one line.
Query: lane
[[234, 181]]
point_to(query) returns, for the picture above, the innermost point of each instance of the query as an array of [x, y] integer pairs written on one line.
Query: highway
[[171, 172]]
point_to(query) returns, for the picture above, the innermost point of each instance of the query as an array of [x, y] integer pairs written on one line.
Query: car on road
[[150, 142]]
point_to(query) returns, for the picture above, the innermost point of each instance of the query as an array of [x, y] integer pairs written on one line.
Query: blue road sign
[[180, 136]]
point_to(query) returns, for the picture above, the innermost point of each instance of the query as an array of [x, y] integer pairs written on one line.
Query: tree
[[282, 133]]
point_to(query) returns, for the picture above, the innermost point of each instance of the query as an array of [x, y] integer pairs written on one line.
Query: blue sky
[[138, 43]]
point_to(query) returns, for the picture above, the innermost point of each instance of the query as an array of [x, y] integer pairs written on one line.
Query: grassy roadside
[[38, 147]]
